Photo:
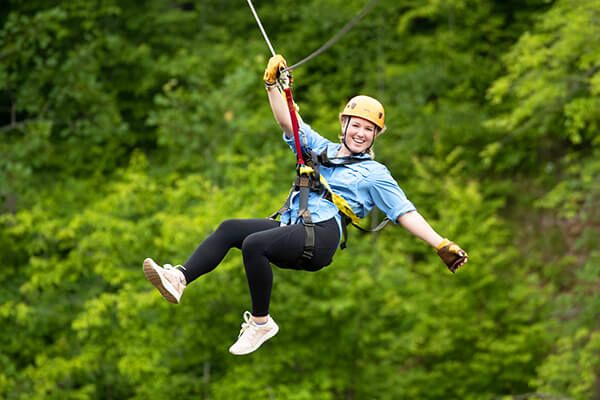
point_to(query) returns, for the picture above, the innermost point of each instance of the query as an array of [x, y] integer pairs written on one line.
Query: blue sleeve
[[309, 139], [388, 196]]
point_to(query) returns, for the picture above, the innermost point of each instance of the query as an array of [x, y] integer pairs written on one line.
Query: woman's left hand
[[453, 256]]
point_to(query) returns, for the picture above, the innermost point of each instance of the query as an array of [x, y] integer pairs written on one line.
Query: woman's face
[[359, 135]]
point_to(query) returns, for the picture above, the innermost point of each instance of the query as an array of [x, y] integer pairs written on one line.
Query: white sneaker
[[168, 280], [252, 335]]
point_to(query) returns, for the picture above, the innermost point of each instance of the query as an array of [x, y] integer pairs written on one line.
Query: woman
[[364, 184]]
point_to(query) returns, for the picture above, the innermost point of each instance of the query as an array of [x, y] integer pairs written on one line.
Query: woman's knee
[[253, 244], [229, 225], [229, 232]]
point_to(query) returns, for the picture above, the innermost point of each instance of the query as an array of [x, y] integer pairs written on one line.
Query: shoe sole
[[265, 338], [155, 279]]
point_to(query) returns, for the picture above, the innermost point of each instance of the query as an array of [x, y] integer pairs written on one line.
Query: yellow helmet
[[367, 108]]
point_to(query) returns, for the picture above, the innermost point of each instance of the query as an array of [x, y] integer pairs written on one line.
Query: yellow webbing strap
[[338, 200], [306, 170], [340, 203]]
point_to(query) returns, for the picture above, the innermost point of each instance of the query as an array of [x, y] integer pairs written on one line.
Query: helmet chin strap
[[346, 145]]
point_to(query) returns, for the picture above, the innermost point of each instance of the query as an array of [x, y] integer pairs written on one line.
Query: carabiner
[[285, 79]]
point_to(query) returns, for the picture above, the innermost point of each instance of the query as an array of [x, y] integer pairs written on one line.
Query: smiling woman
[[362, 121], [311, 223], [359, 136]]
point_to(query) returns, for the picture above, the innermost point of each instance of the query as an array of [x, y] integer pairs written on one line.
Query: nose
[[363, 132]]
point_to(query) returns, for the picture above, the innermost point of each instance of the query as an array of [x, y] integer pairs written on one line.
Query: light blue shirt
[[363, 185]]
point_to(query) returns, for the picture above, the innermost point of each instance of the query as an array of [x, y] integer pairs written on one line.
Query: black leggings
[[263, 241]]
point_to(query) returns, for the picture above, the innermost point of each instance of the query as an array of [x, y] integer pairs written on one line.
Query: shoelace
[[170, 267], [248, 324]]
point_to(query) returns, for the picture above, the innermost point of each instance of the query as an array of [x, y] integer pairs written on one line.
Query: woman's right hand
[[275, 65]]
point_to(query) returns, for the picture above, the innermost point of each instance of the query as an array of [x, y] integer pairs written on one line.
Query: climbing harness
[[310, 179], [308, 164]]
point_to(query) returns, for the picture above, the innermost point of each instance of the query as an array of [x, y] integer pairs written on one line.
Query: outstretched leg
[[171, 281], [231, 233]]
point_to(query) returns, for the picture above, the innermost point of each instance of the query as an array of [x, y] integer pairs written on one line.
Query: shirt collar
[[333, 149]]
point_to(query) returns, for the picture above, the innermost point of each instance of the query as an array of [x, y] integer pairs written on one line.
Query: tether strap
[[304, 182], [379, 226], [294, 118]]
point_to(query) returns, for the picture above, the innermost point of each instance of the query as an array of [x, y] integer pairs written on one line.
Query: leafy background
[[132, 129]]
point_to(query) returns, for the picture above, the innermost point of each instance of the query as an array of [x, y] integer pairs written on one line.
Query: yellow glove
[[276, 64]]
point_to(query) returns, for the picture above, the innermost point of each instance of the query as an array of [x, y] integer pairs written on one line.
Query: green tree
[[133, 130]]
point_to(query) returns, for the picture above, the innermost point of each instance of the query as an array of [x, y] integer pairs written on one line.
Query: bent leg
[[231, 233], [282, 245]]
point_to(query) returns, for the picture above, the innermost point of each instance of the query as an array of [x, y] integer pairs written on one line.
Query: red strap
[[295, 127]]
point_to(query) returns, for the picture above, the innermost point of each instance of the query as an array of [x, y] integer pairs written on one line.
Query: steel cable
[[349, 25]]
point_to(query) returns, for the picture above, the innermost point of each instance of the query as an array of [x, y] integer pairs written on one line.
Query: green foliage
[[132, 131], [550, 91], [574, 364]]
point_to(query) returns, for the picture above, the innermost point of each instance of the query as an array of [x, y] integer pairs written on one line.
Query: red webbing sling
[[295, 126], [303, 180]]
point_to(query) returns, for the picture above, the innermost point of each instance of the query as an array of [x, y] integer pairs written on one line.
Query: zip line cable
[[349, 25], [302, 168], [261, 27], [286, 71]]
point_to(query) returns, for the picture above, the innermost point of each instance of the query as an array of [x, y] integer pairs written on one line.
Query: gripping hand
[[453, 256], [275, 65]]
